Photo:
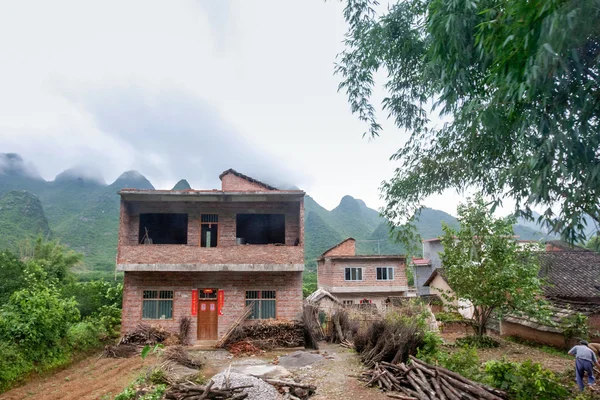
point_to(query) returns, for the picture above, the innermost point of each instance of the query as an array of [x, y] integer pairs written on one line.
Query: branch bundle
[[422, 381], [269, 334], [120, 351], [181, 356], [145, 335], [293, 390], [192, 391]]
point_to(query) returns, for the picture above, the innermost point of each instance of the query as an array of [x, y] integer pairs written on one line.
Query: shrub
[[13, 365], [527, 380], [86, 335], [465, 362], [481, 342], [430, 346], [448, 316], [37, 321]]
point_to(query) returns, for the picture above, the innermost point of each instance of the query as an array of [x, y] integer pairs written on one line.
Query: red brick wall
[[184, 254], [522, 331], [287, 284], [347, 248], [331, 272], [233, 183]]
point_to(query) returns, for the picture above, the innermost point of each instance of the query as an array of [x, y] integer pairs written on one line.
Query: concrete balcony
[[185, 258]]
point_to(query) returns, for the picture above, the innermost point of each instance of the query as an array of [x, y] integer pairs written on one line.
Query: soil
[[91, 378], [335, 375]]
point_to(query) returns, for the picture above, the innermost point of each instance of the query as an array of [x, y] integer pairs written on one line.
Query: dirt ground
[[334, 376], [91, 378]]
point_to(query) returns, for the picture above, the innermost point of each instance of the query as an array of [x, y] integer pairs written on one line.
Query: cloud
[[174, 134]]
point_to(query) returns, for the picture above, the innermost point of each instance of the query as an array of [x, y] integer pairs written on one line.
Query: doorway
[[208, 315]]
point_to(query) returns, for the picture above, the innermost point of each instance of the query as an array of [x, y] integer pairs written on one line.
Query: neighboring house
[[573, 276], [361, 279], [324, 300], [206, 254], [438, 285], [424, 267]]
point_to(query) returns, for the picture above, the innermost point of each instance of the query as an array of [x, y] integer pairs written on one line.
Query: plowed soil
[[92, 378]]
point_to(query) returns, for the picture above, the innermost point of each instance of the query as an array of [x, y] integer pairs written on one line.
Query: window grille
[[265, 303], [157, 304]]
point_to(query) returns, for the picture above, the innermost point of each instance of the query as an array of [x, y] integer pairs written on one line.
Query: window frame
[[157, 300], [387, 273], [355, 268], [209, 224], [259, 302]]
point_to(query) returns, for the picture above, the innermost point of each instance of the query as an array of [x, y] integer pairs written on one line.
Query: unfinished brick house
[[206, 254], [361, 279]]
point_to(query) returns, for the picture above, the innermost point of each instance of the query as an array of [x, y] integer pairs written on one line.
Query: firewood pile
[[293, 390], [422, 381], [181, 356], [270, 334], [145, 335], [192, 391]]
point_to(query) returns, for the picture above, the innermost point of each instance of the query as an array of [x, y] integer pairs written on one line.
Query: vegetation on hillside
[[21, 217]]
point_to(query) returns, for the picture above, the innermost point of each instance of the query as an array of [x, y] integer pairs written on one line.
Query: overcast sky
[[187, 89]]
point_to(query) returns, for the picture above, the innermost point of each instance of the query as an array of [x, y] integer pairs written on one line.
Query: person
[[585, 358], [595, 347]]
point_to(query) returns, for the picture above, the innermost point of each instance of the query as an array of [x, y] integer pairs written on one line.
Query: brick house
[[356, 279], [206, 254]]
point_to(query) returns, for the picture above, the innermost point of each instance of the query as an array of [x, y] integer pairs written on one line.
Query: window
[[347, 302], [260, 228], [157, 304], [163, 228], [209, 229], [264, 303], [385, 273], [353, 274]]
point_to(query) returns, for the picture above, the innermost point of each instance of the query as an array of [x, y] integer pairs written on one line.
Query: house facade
[[206, 254], [361, 279]]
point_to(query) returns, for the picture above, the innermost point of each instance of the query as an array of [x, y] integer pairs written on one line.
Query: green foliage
[[524, 381], [127, 394], [485, 266], [517, 83], [464, 361], [92, 296], [21, 218], [309, 283], [430, 347], [157, 376], [575, 326], [37, 321], [156, 349], [54, 258], [480, 342], [594, 243], [446, 316], [12, 271], [13, 365], [86, 335]]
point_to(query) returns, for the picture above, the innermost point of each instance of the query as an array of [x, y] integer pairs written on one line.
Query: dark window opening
[[209, 230], [260, 228], [163, 228], [208, 294]]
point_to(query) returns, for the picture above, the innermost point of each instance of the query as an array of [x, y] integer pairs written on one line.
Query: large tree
[[518, 82], [484, 264]]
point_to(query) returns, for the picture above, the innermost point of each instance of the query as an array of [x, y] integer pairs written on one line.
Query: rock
[[299, 359], [260, 389]]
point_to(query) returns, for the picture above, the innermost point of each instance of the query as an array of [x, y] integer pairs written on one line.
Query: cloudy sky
[[187, 89]]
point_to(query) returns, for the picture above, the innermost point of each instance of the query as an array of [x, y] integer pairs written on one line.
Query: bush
[[86, 335], [465, 362], [481, 342], [527, 380], [448, 316], [13, 365], [430, 346], [37, 321]]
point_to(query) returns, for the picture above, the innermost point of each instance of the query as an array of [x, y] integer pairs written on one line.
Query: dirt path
[[91, 378]]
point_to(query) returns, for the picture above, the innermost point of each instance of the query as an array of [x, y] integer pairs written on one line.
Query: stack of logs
[[422, 381], [293, 390], [191, 391]]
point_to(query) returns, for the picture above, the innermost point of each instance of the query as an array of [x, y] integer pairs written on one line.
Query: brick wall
[[525, 332], [331, 272], [346, 248], [233, 183], [288, 286]]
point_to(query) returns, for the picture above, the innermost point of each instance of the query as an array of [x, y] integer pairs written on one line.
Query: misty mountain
[[80, 209]]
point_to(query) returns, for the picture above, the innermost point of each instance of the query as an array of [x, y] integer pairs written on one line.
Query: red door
[[207, 320]]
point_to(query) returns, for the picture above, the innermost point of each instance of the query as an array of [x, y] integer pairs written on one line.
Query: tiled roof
[[421, 261], [571, 274], [564, 246], [246, 177], [317, 295]]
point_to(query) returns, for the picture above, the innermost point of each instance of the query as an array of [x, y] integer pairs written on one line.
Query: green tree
[[56, 259], [517, 81], [12, 271], [484, 264], [594, 243]]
